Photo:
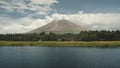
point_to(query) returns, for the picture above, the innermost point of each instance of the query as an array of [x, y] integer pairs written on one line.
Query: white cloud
[[46, 2], [38, 6], [29, 7], [21, 25], [13, 28], [36, 24], [8, 25], [93, 21]]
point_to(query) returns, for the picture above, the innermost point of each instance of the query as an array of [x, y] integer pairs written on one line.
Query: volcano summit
[[59, 26]]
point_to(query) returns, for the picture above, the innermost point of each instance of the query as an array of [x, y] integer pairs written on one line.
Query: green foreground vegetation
[[62, 43]]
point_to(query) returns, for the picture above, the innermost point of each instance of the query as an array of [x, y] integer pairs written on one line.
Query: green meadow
[[62, 43]]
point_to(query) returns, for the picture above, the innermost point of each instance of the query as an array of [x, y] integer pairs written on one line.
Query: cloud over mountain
[[93, 21], [17, 16], [100, 21]]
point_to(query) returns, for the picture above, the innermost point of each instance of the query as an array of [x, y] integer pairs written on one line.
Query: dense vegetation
[[82, 36]]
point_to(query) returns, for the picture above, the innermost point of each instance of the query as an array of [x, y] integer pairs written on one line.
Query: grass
[[62, 43]]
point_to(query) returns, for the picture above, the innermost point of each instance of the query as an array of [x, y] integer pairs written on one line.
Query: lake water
[[59, 57]]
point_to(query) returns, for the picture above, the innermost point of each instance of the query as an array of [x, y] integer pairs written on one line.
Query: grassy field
[[62, 44]]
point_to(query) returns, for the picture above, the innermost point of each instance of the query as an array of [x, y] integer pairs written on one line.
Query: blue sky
[[89, 6], [18, 16]]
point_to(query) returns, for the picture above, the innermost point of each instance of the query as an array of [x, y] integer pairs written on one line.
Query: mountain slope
[[60, 26]]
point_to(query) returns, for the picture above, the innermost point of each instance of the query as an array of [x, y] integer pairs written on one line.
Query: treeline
[[82, 36]]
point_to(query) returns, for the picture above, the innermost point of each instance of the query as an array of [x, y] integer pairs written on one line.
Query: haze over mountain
[[59, 26]]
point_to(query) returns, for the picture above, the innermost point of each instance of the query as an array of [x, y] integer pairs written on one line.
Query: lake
[[59, 57]]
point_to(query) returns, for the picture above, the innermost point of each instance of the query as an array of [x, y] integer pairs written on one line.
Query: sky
[[19, 16]]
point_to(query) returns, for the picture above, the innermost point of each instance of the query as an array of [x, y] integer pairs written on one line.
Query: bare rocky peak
[[59, 26]]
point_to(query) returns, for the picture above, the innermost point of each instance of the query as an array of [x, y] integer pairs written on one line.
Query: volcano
[[59, 26]]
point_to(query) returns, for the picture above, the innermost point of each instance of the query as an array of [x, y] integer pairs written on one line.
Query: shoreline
[[100, 44]]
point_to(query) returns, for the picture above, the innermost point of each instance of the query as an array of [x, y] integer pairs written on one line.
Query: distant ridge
[[59, 26]]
